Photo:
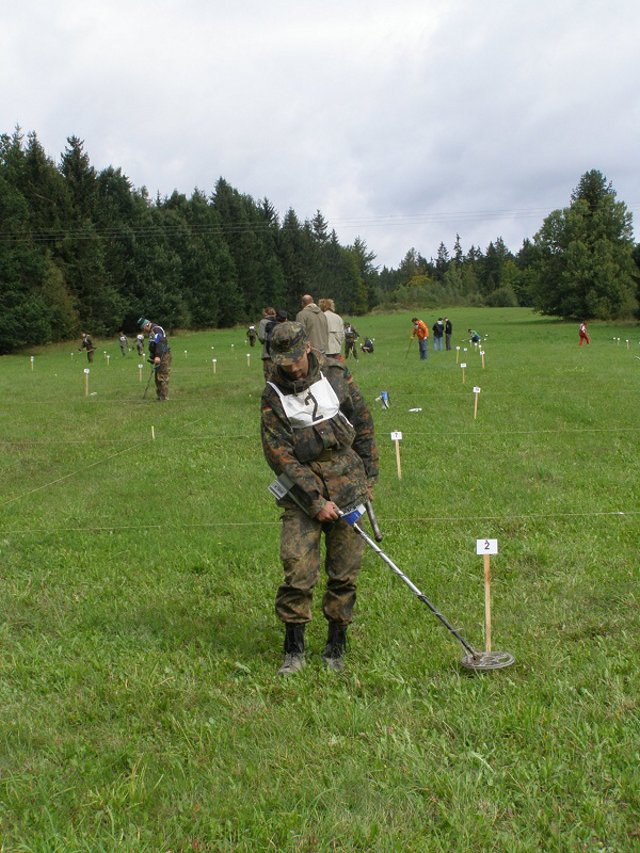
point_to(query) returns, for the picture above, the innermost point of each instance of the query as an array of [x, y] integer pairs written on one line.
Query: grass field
[[139, 708]]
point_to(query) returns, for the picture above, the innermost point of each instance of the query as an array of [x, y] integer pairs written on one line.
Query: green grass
[[139, 708]]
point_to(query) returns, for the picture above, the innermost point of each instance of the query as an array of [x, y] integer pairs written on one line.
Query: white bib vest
[[319, 402]]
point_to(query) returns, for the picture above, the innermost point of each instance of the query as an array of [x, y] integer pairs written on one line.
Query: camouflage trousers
[[300, 545], [162, 376]]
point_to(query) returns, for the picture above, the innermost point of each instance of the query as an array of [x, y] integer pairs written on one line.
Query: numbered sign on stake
[[486, 546], [397, 437]]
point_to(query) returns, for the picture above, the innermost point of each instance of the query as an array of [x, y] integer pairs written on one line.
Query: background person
[[87, 344], [264, 326], [583, 334], [124, 343], [315, 323], [316, 428], [159, 356], [421, 332], [367, 345], [335, 327], [438, 334], [474, 336], [448, 329], [252, 335], [140, 344], [350, 337]]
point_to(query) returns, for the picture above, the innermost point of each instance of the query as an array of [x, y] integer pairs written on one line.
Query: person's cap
[[414, 319], [288, 343], [142, 322], [281, 316]]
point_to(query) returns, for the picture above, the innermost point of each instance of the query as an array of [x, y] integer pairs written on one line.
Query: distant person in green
[[87, 344], [124, 343], [350, 337], [474, 336]]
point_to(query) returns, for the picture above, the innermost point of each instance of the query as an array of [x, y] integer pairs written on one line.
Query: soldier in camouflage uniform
[[159, 356], [318, 431]]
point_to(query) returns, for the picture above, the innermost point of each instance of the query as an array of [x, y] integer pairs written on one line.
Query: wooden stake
[[153, 432], [476, 392], [487, 600], [398, 460], [397, 437]]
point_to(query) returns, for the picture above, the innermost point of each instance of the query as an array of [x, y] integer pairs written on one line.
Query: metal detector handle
[[377, 533]]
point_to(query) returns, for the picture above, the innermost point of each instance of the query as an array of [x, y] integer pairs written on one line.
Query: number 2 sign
[[486, 546]]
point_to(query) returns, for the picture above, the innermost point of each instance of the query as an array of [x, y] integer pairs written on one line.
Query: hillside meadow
[[139, 706]]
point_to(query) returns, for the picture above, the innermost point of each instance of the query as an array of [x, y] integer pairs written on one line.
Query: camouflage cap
[[288, 342]]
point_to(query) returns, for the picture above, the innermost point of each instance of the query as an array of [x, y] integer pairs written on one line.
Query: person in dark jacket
[[318, 432], [438, 333], [159, 356], [448, 329]]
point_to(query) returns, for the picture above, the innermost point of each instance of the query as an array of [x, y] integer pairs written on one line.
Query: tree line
[[82, 249]]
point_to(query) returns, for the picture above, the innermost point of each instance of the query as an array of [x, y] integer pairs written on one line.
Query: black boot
[[293, 649], [333, 654]]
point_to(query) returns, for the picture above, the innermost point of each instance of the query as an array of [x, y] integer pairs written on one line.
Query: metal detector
[[474, 660]]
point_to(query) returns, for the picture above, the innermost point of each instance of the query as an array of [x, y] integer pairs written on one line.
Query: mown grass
[[139, 707]]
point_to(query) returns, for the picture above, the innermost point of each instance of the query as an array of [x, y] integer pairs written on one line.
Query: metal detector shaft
[[373, 521], [414, 589]]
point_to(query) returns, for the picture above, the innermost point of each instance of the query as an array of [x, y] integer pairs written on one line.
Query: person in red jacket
[[421, 332], [583, 334]]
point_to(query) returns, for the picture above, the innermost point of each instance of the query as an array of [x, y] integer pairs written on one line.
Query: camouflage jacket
[[334, 459]]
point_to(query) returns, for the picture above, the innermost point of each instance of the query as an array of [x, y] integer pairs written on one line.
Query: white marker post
[[486, 547], [108, 359], [86, 382], [32, 359], [476, 392], [248, 359], [627, 343], [140, 368], [482, 354], [463, 365], [153, 433], [214, 362], [457, 354], [397, 437], [185, 353]]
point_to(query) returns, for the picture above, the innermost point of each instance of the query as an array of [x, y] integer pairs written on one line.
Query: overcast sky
[[403, 121]]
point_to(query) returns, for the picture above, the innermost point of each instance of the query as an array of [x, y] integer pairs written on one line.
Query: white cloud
[[404, 123]]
